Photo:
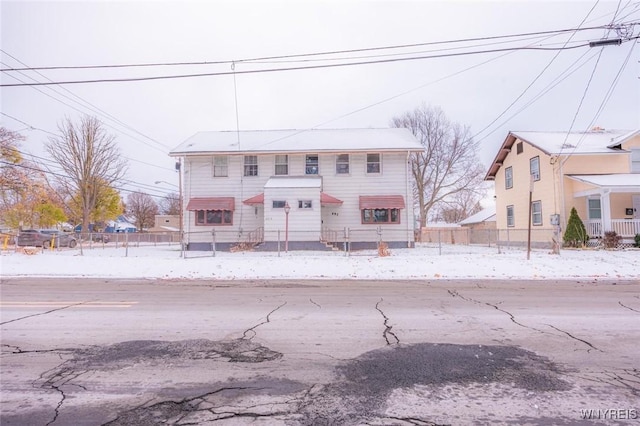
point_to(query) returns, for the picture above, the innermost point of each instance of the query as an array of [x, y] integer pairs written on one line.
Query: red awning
[[328, 199], [381, 202], [255, 200], [211, 203]]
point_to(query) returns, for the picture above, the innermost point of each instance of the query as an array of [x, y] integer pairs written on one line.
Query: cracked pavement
[[314, 353]]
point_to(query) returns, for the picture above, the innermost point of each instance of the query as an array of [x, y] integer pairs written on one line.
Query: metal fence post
[[213, 243], [126, 244], [278, 243], [439, 243]]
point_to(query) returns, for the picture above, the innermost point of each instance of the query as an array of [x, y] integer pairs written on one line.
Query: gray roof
[[315, 140], [595, 141], [485, 215]]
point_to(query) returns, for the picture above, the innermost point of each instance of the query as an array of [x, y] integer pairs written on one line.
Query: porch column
[[605, 207]]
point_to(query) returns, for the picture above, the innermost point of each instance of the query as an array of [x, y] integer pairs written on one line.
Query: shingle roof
[[316, 140]]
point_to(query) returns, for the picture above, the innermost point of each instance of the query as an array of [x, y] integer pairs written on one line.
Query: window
[[279, 204], [534, 168], [214, 217], [536, 213], [282, 165], [373, 163], [342, 164], [508, 177], [635, 160], [595, 211], [221, 166], [519, 148], [251, 165], [510, 218], [305, 204], [380, 216], [311, 164]]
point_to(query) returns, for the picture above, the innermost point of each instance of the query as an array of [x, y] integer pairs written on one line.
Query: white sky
[[169, 111], [425, 262]]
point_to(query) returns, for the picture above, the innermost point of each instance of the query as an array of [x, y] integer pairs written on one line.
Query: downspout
[[409, 200]]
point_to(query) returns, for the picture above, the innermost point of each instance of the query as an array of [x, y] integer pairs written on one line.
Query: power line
[[270, 70], [303, 55]]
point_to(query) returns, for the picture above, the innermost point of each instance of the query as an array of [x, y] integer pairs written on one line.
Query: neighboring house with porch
[[597, 172], [308, 187]]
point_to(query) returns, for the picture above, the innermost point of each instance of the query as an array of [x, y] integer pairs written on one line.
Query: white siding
[[198, 181]]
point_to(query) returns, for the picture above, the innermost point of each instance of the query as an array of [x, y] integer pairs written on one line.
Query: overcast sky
[[151, 117]]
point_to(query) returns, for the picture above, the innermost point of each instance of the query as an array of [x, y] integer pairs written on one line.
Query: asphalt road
[[146, 352]]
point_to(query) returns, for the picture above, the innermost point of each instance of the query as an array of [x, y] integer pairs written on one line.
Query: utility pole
[[530, 213], [181, 237]]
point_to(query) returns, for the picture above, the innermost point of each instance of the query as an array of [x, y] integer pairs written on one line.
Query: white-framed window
[[279, 204], [214, 217], [635, 160], [376, 216], [534, 168], [251, 165], [342, 164], [511, 220], [311, 164], [594, 209], [282, 165], [305, 204], [508, 178], [221, 166], [374, 163], [536, 213]]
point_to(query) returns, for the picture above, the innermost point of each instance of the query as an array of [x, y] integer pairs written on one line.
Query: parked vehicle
[[100, 238], [45, 237]]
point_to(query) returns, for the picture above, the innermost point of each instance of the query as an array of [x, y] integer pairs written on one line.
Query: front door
[[636, 206]]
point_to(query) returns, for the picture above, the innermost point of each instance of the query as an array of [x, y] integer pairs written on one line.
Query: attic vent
[[568, 145]]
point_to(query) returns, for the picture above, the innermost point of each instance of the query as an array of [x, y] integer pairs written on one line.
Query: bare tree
[[462, 205], [449, 163], [143, 208], [91, 159], [170, 204]]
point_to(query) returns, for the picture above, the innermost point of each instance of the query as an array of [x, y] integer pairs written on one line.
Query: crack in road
[[454, 293], [575, 338], [387, 328], [311, 300], [63, 377], [47, 312], [625, 306], [16, 350], [631, 382], [253, 329]]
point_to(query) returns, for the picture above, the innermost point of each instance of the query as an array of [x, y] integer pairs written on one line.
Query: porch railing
[[626, 228]]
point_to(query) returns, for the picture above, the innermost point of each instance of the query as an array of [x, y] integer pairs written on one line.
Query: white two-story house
[[297, 188]]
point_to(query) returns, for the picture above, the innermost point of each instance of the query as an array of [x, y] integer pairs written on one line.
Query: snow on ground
[[423, 262]]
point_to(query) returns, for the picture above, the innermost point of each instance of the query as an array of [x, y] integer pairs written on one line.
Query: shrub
[[576, 233], [611, 239], [636, 240]]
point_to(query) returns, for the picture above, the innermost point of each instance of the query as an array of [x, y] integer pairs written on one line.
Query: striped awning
[[381, 202], [255, 200], [211, 203], [328, 199]]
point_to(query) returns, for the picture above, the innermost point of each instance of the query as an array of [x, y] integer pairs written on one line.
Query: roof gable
[[597, 141]]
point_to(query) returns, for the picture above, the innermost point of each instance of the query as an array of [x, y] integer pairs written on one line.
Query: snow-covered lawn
[[423, 262]]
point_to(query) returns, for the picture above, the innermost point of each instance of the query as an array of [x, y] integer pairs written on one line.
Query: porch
[[626, 228]]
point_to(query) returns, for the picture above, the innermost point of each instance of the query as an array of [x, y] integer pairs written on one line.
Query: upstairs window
[[534, 168], [279, 204], [221, 166], [305, 204], [635, 160], [342, 164], [251, 165], [373, 163], [311, 164], [508, 178], [282, 165]]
